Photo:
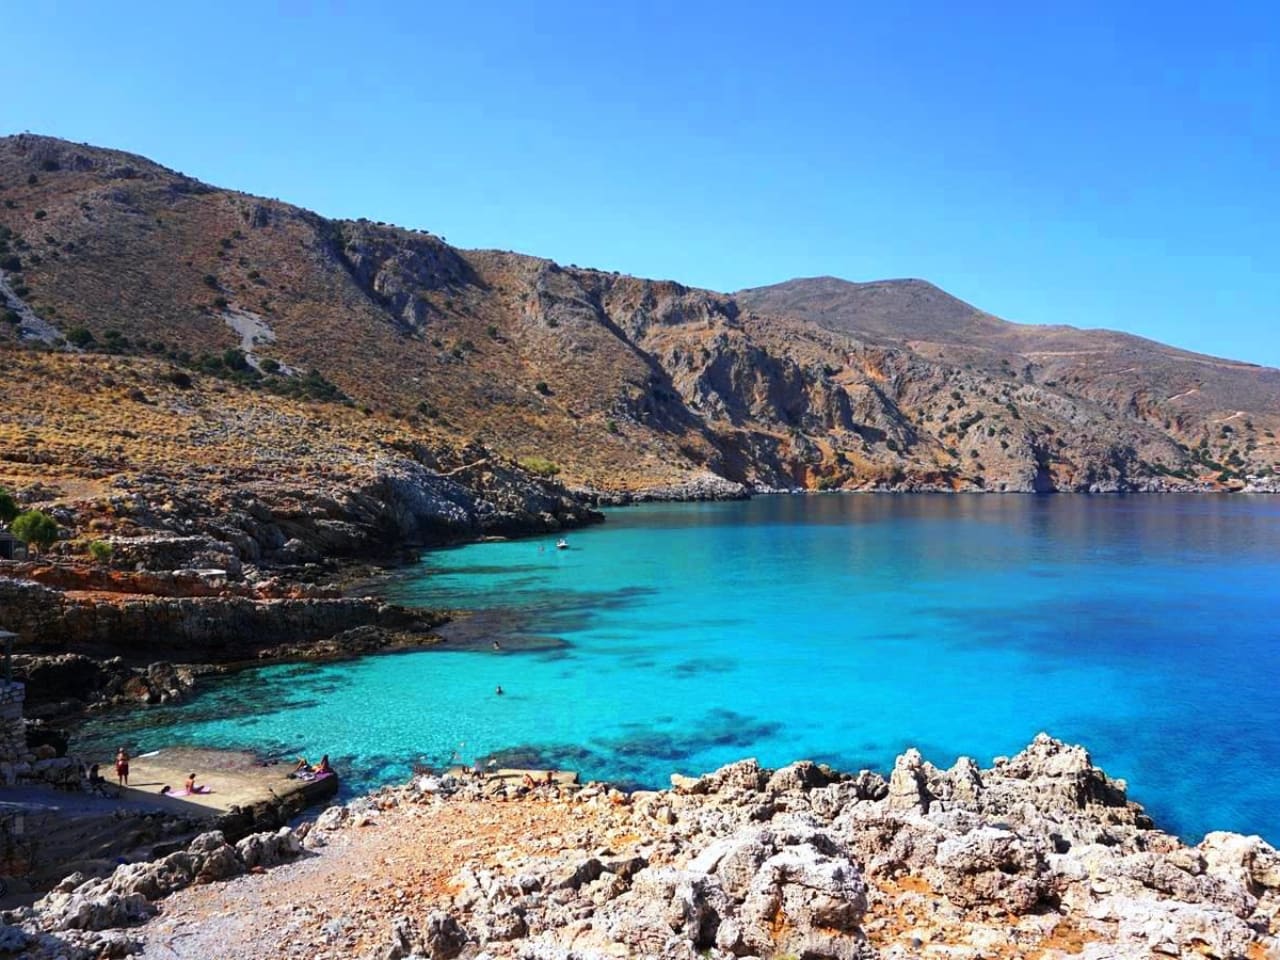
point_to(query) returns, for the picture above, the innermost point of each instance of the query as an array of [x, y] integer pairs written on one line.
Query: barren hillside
[[613, 384]]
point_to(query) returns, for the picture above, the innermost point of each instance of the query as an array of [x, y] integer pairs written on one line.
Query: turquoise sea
[[841, 628]]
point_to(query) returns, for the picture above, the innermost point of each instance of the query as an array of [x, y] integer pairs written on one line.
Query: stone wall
[[13, 737]]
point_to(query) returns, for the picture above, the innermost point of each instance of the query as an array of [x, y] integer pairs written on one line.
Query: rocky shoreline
[[1039, 855]]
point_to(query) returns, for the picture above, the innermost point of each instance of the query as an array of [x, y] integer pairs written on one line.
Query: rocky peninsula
[[1039, 855]]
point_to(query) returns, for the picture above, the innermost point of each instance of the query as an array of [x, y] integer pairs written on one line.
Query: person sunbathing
[[191, 788]]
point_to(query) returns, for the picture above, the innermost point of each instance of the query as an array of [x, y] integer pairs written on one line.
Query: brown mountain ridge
[[384, 340]]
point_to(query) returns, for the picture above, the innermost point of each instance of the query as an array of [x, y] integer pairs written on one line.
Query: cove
[[840, 628]]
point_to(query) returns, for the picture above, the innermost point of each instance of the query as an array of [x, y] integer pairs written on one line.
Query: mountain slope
[[1103, 364], [618, 384]]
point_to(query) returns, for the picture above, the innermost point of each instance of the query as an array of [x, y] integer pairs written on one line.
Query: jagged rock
[[503, 923], [94, 908], [404, 939], [698, 904], [889, 843], [575, 875], [908, 788], [802, 776], [964, 782], [268, 849], [683, 784], [442, 936], [1146, 926], [1060, 779], [804, 890], [992, 866], [740, 891], [1248, 861], [743, 776], [332, 818]]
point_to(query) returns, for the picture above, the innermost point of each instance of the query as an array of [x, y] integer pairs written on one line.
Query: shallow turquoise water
[[840, 628]]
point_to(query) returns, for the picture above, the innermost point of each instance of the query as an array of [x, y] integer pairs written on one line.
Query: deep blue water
[[838, 628]]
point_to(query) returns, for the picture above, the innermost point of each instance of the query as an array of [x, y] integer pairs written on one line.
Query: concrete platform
[[233, 779], [49, 833]]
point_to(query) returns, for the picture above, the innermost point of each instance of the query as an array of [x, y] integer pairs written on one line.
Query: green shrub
[[8, 507], [79, 337], [100, 550], [542, 388], [35, 529], [539, 466]]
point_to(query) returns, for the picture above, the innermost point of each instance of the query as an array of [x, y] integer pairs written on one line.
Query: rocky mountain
[[396, 343], [1129, 374]]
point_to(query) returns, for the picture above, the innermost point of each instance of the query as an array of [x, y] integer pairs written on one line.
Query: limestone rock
[[802, 776], [745, 776], [993, 866], [268, 849], [908, 788]]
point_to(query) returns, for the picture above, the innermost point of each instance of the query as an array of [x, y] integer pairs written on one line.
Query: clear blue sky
[[1099, 164]]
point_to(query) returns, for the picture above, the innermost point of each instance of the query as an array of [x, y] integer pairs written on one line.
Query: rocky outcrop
[[394, 272], [704, 486], [79, 649], [203, 628], [414, 495], [82, 917], [1039, 855], [805, 861], [65, 683]]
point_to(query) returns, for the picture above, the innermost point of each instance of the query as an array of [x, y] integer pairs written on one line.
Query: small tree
[[35, 529], [79, 337], [100, 550], [8, 508]]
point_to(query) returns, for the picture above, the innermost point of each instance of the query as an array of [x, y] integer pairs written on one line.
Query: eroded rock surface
[[1041, 855]]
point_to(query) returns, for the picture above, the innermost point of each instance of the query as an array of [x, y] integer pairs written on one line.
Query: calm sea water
[[837, 628]]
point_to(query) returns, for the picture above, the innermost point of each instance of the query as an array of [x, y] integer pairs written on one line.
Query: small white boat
[[562, 544]]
